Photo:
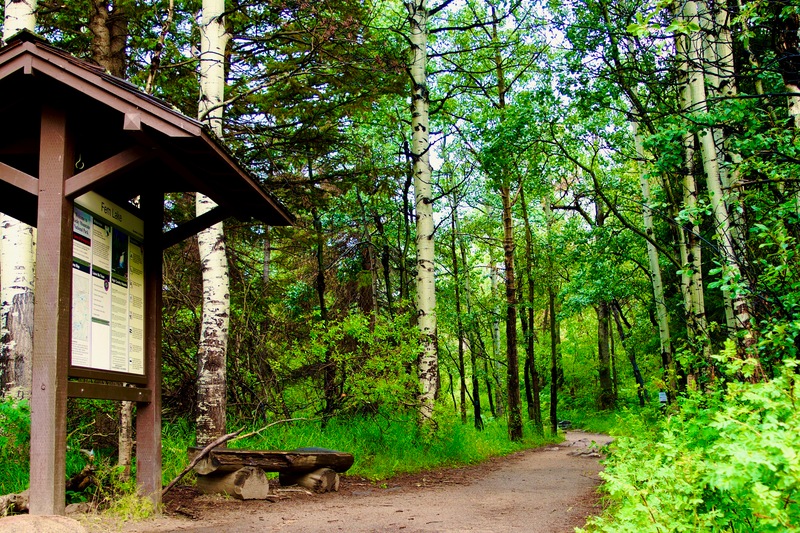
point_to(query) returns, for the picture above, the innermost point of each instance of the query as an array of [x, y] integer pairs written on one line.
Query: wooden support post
[[52, 327], [148, 415]]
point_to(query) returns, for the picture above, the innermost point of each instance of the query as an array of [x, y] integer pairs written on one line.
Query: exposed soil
[[547, 490]]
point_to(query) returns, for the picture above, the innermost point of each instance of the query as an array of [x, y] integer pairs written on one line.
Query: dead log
[[319, 481], [248, 483], [14, 503]]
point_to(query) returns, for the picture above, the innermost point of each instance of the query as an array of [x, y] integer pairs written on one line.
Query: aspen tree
[[731, 269], [212, 347], [17, 260], [428, 366]]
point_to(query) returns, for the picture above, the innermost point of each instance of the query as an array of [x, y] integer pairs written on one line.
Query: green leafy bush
[[726, 461], [15, 438]]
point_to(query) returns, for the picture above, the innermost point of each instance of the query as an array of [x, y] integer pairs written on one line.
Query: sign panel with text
[[107, 287]]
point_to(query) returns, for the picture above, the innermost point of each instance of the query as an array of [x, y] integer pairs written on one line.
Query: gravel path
[[547, 490]]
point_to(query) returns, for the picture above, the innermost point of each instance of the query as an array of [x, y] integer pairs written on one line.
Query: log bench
[[240, 473]]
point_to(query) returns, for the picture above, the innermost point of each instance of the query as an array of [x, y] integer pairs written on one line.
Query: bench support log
[[248, 483], [320, 480]]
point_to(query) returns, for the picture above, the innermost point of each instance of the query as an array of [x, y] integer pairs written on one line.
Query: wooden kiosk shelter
[[78, 145]]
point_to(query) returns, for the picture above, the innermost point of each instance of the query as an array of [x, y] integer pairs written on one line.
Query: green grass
[[383, 445]]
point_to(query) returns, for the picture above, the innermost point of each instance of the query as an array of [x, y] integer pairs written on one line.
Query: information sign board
[[107, 287]]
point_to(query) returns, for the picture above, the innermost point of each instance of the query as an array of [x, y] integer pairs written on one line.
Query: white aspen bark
[[691, 252], [17, 259], [420, 152], [794, 104], [662, 314], [213, 343], [19, 15], [709, 42], [16, 295], [741, 304]]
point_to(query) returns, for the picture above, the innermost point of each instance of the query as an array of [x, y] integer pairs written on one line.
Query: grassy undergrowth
[[383, 445]]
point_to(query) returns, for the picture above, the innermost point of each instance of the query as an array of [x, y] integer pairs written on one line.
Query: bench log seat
[[302, 460]]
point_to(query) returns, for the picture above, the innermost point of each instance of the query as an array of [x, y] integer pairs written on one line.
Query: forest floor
[[545, 490]]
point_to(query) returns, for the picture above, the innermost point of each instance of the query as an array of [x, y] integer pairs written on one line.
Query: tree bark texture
[[739, 300], [213, 343], [606, 398], [512, 357], [17, 260], [528, 328], [662, 313], [428, 366], [19, 15], [108, 23], [499, 409]]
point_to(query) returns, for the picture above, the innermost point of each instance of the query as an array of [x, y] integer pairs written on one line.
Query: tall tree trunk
[[662, 313], [471, 334], [512, 358], [630, 349], [108, 23], [17, 260], [532, 393], [606, 399], [329, 373], [213, 343], [423, 176], [494, 273], [459, 318], [689, 235], [555, 327], [740, 300]]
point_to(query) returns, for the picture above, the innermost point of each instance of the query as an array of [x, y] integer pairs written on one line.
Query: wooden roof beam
[[194, 226], [19, 179], [105, 170]]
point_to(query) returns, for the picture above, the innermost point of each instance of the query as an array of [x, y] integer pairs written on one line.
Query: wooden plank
[[194, 226], [148, 415], [102, 391], [52, 327], [229, 460], [94, 176], [106, 375], [19, 179]]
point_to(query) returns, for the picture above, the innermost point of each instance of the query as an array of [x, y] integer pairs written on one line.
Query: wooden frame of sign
[[77, 130]]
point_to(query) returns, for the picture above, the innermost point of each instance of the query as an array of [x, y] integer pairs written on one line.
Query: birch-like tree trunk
[[689, 233], [740, 300], [662, 314], [213, 343], [17, 260], [428, 366], [18, 15]]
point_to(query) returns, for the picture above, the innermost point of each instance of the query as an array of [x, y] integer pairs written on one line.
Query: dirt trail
[[548, 490]]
